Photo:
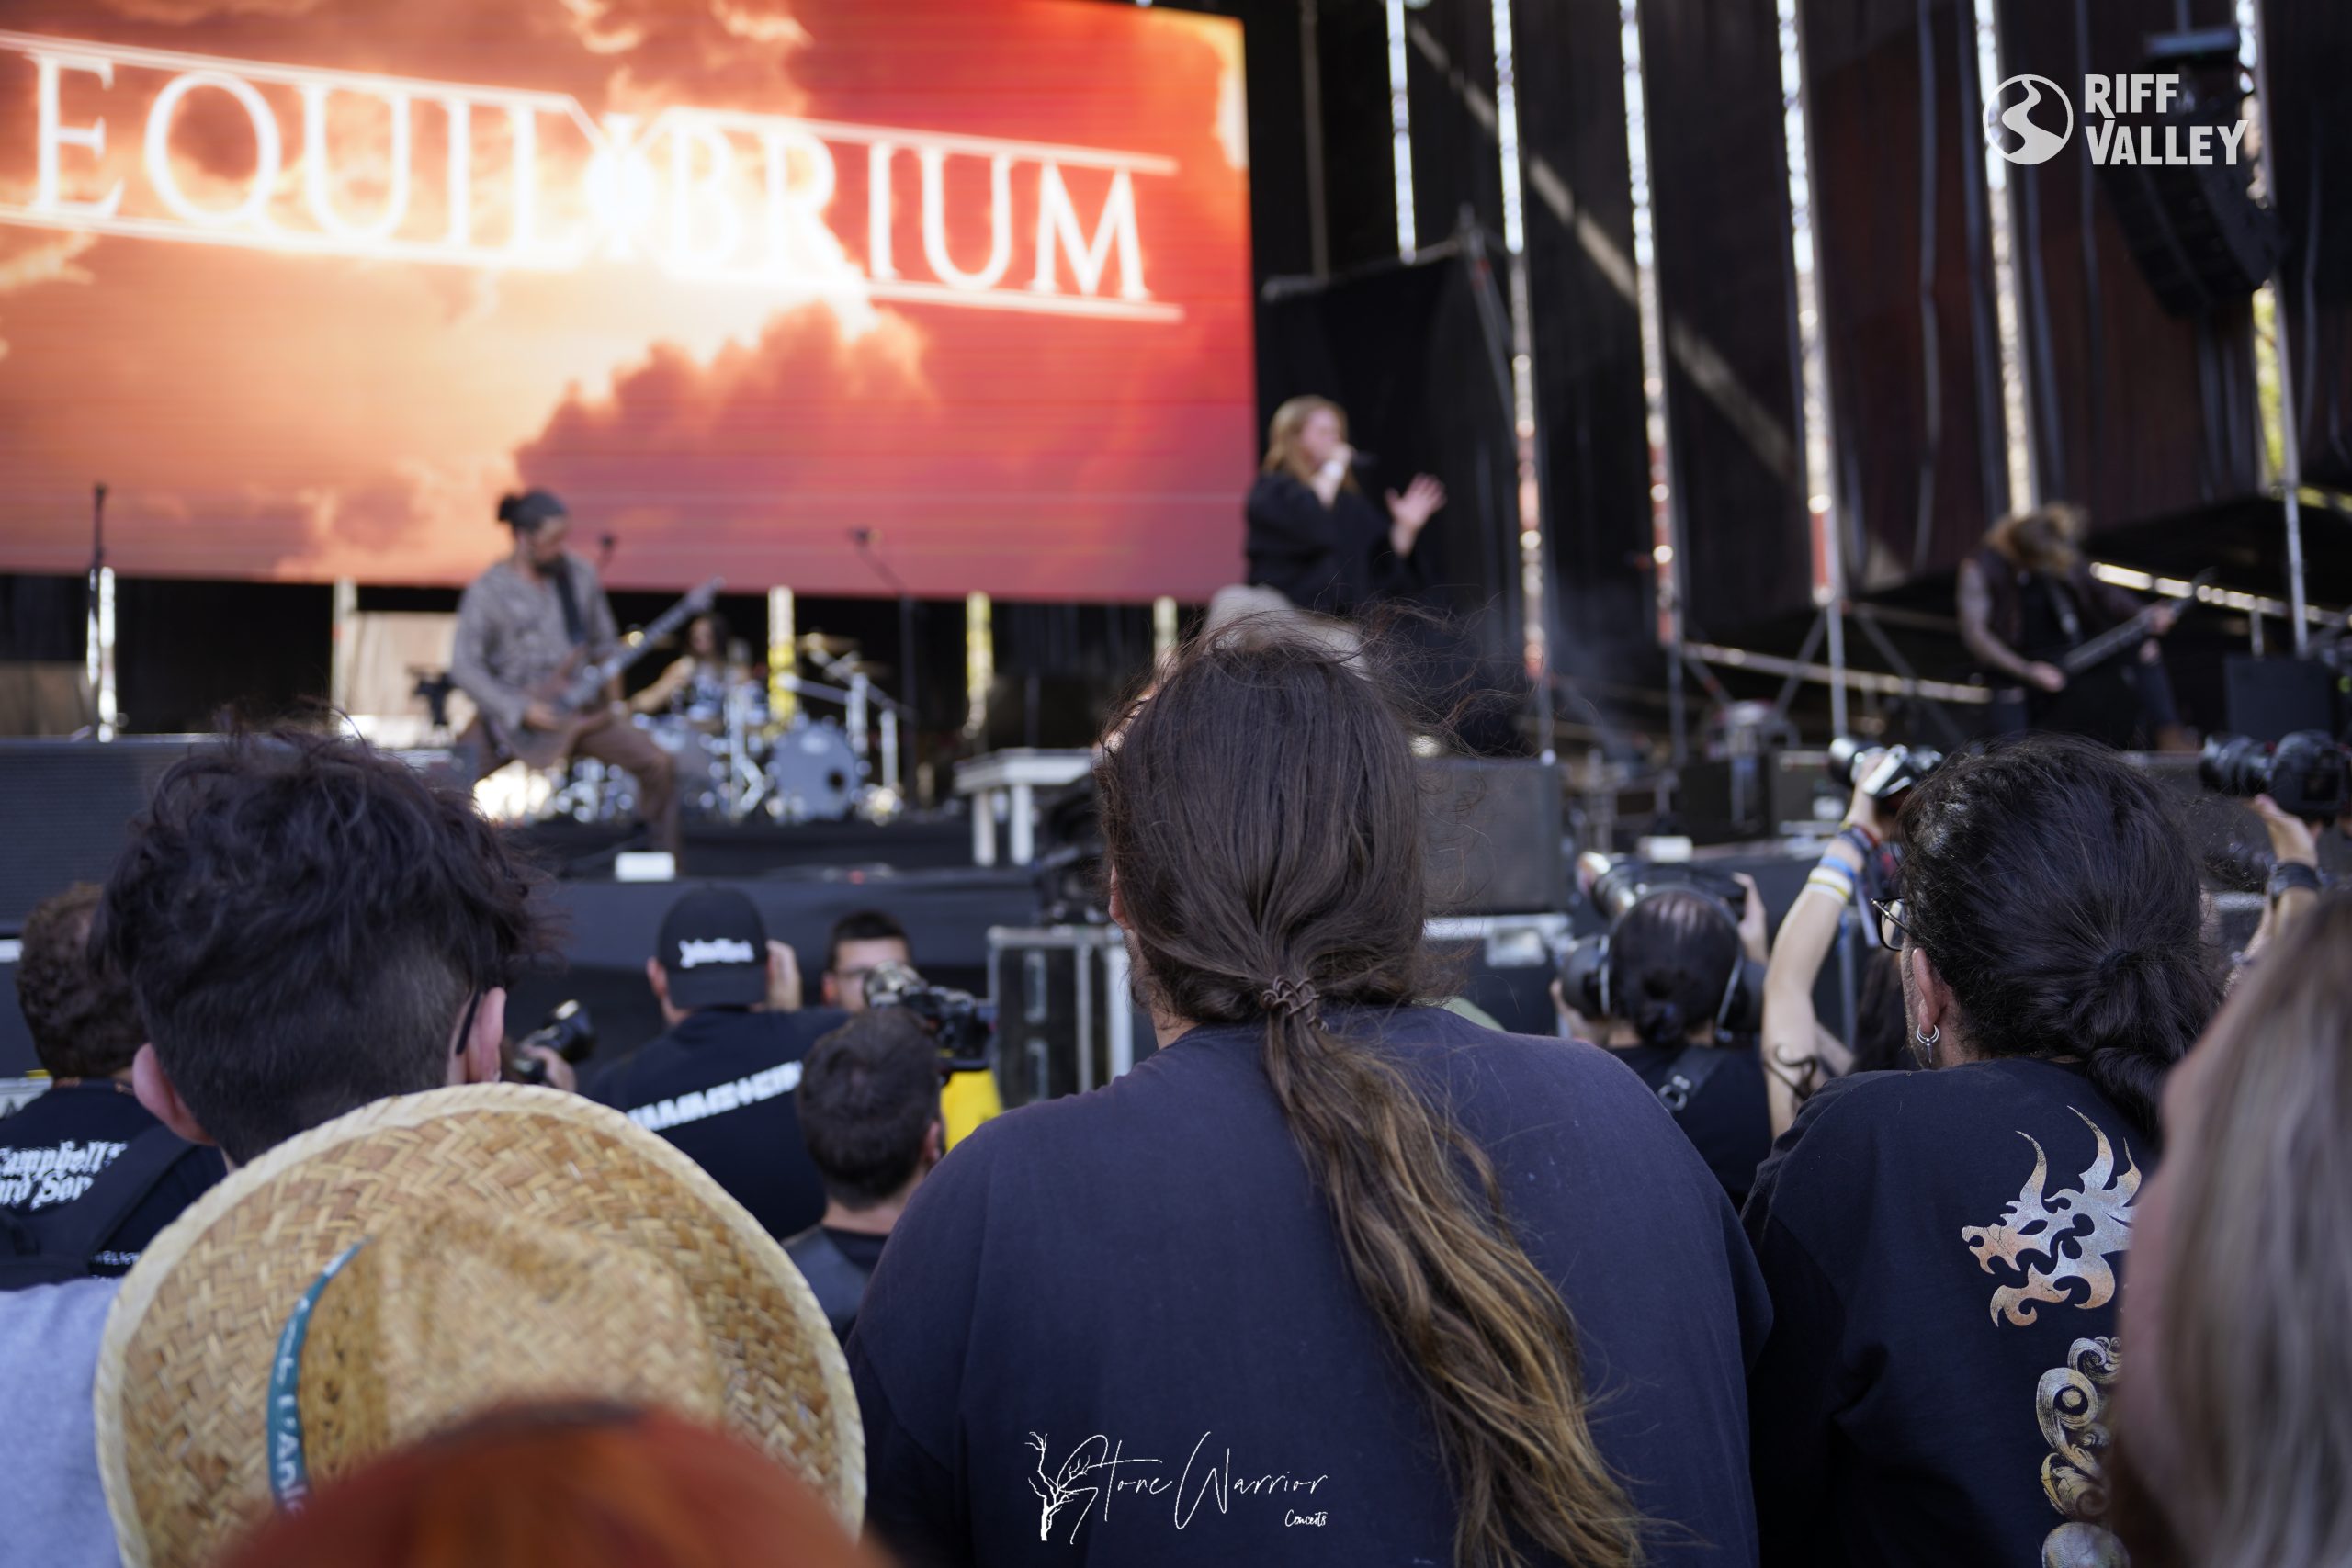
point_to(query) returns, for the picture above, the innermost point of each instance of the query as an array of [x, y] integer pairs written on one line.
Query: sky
[[278, 405]]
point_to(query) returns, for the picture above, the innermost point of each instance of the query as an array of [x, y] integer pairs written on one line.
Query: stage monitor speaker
[[2195, 229], [1493, 837], [67, 803], [1727, 799], [2268, 699]]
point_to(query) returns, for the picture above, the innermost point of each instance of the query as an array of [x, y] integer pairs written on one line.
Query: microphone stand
[[99, 655], [864, 539]]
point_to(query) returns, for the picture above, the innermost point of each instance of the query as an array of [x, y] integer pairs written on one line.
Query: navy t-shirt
[[1137, 1297], [1943, 1250], [52, 1151], [720, 1086]]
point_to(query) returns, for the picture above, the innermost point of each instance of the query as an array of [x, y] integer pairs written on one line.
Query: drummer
[[696, 685]]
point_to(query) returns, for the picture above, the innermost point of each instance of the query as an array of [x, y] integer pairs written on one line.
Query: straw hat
[[427, 1257]]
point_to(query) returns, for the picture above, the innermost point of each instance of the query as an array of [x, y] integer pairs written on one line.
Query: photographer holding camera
[[867, 941], [1799, 1055], [719, 1085], [2295, 784], [1669, 992], [1942, 1246]]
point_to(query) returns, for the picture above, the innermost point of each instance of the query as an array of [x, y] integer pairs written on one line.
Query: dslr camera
[[1613, 884], [1886, 774], [2308, 773], [569, 1031], [964, 1025]]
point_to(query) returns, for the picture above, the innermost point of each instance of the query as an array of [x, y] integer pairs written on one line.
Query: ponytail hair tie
[[2116, 961], [1288, 996]]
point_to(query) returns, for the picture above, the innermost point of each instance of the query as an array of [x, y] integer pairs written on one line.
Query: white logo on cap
[[718, 950]]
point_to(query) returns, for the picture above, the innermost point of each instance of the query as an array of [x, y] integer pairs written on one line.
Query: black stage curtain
[[2137, 412], [1719, 189], [1914, 351], [2310, 80], [1588, 333]]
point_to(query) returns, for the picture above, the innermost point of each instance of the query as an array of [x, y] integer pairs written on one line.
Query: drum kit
[[739, 763]]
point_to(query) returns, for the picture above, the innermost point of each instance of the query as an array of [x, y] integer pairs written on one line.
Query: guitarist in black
[[2026, 599], [522, 622]]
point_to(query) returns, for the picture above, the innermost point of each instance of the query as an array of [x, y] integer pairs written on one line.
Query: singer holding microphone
[[1314, 535]]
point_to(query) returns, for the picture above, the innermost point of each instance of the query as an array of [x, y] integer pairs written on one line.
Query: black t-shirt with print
[[720, 1086], [1137, 1296], [52, 1149], [1943, 1250], [1728, 1121]]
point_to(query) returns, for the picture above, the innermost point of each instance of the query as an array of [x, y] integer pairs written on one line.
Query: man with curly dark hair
[[307, 926], [53, 1153]]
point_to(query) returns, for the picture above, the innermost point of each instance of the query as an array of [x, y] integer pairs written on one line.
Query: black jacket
[[720, 1086], [1334, 559]]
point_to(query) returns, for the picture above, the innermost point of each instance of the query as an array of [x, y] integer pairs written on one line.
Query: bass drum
[[813, 773], [702, 765]]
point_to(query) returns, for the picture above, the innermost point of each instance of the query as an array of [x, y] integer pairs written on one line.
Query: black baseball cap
[[715, 948]]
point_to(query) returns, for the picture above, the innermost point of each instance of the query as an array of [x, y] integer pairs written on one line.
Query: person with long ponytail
[[1945, 1247], [1330, 1277]]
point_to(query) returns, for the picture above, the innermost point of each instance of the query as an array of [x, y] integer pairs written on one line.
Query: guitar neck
[[2131, 632], [667, 621], [2107, 643]]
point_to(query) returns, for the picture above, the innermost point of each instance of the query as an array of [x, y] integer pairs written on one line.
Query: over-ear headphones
[[1584, 975]]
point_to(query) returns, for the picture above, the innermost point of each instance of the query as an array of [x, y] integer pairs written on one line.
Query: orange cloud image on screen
[[309, 282]]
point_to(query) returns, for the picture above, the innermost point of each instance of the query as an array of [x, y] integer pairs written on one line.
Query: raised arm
[[665, 686], [1797, 1050]]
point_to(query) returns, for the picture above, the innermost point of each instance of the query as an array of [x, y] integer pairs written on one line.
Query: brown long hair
[[2252, 1287], [1283, 455], [1262, 815]]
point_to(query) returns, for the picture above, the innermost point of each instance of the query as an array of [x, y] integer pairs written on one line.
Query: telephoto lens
[[2309, 773]]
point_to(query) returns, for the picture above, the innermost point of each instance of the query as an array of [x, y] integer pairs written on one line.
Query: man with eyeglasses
[[861, 941]]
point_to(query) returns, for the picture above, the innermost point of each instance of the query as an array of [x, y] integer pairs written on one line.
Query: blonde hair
[[2254, 1283], [1282, 454]]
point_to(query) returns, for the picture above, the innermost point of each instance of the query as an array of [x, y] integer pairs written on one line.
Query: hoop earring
[[1928, 1041]]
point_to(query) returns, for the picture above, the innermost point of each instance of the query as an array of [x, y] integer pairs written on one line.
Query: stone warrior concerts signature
[[1093, 1475]]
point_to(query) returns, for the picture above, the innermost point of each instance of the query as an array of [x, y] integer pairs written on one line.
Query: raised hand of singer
[[1409, 513]]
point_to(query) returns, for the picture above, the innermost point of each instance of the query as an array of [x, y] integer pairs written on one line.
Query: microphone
[[1363, 461]]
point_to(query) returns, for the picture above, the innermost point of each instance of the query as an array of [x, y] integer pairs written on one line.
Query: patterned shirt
[[511, 635]]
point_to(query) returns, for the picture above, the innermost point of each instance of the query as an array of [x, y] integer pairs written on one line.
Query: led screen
[[309, 282]]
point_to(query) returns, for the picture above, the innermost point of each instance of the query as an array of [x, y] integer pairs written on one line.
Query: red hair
[[563, 1487]]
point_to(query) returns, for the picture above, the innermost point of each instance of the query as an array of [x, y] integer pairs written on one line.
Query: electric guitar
[[2131, 634], [576, 688], [2101, 697]]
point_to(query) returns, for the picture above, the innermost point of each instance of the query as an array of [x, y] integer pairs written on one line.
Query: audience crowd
[[1338, 1274]]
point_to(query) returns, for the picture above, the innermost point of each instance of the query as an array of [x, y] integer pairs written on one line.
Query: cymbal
[[826, 646]]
